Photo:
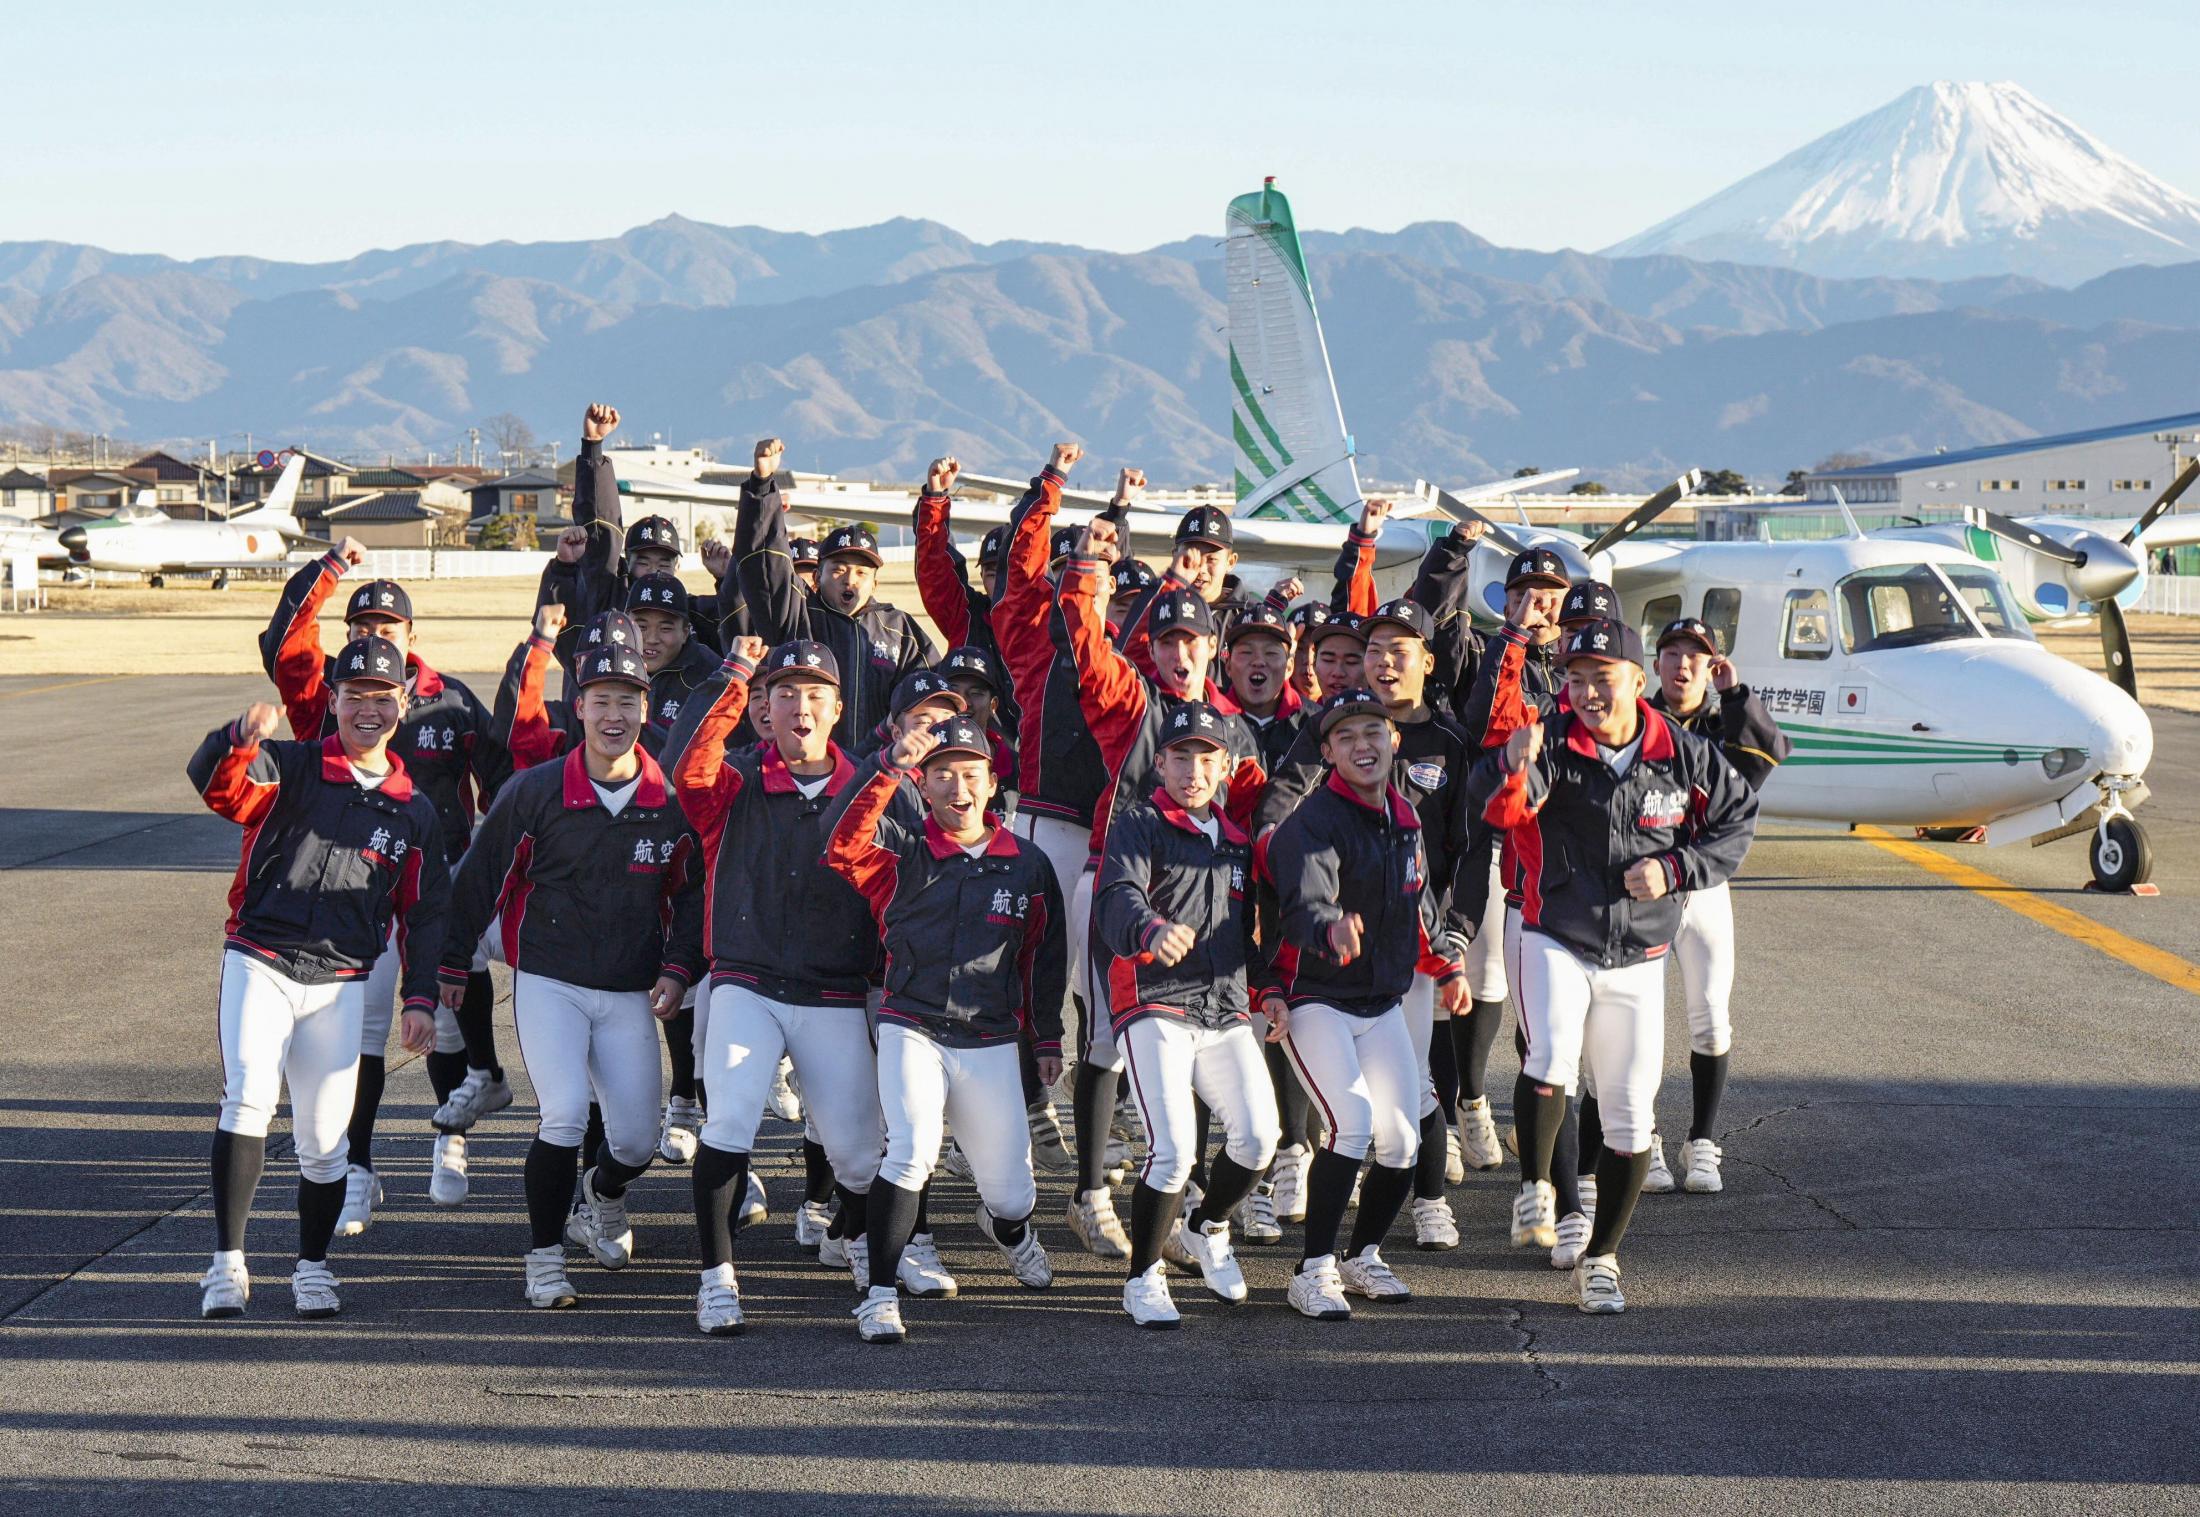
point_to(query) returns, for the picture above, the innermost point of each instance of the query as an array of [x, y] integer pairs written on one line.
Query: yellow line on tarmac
[[75, 684], [2145, 957]]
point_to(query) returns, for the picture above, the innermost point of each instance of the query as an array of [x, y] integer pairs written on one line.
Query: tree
[[1527, 473], [1794, 485], [1833, 461], [516, 530], [1588, 487], [512, 436], [1723, 482]]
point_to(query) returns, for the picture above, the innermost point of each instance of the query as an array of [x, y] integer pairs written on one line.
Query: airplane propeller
[[2099, 568], [2163, 502], [1646, 513], [2116, 647]]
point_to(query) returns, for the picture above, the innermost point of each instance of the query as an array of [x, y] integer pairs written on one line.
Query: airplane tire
[[158, 581], [2121, 855], [221, 580]]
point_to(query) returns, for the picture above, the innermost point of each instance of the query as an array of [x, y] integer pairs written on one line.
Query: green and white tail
[[1294, 459]]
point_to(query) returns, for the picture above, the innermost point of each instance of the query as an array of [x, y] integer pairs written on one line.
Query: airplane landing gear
[[221, 580], [157, 581], [2122, 858]]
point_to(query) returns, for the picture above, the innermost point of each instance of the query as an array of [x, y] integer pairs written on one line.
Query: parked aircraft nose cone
[[2108, 570], [73, 541]]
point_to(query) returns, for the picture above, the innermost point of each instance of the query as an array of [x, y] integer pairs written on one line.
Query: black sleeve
[[763, 562], [1308, 875], [426, 918], [1753, 742], [1046, 978], [1299, 772], [1123, 916], [475, 889]]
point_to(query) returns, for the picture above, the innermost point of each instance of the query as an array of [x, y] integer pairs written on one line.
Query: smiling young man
[[1612, 812], [589, 868], [975, 956], [343, 865]]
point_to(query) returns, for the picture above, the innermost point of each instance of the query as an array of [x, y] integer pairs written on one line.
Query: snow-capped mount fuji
[[1946, 181]]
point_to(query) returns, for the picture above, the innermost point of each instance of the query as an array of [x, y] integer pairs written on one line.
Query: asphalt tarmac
[[1954, 1268]]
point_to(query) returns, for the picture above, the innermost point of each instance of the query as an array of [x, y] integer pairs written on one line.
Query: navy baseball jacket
[[1160, 869]]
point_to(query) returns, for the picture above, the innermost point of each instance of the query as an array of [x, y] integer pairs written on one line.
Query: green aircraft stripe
[[1819, 760], [1806, 732], [1250, 448], [1252, 406]]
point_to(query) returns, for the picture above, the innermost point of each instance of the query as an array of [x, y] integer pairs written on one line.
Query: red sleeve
[[296, 662], [1359, 595], [854, 851], [946, 599], [1020, 615], [1508, 708], [1510, 804], [234, 791], [1109, 689], [1247, 782], [533, 740], [700, 774]]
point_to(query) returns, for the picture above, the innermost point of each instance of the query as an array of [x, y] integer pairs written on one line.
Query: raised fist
[[769, 450], [549, 619], [1373, 513], [910, 748], [1129, 485], [1525, 744], [572, 543], [1289, 588], [257, 724], [717, 558], [1065, 457], [750, 648], [940, 478], [352, 551], [598, 422]]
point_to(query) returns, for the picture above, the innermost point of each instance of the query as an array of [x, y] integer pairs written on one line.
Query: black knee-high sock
[[1291, 1103], [720, 1179], [1328, 1193], [852, 1219], [1472, 1038], [1228, 1183], [1538, 1118], [1592, 1136], [238, 1160], [552, 1172], [1010, 1230], [893, 1218], [366, 1103], [1382, 1196], [1095, 1103], [614, 1175], [320, 1202], [1619, 1186], [1443, 1069], [1566, 1160], [1204, 1123], [924, 1211], [592, 1138], [1153, 1214], [445, 1070], [1428, 1164], [477, 1023], [1706, 1083], [817, 1172], [680, 1047]]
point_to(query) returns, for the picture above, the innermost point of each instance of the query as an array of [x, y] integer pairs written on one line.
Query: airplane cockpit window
[[1904, 605], [1722, 613], [1809, 631], [1989, 600]]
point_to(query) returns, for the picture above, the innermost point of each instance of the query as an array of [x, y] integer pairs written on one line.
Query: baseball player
[[792, 948], [451, 752], [963, 612], [1173, 909], [975, 954], [588, 866], [873, 644], [1358, 913], [339, 850], [1611, 813]]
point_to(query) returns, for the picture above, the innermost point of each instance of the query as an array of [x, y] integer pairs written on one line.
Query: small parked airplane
[[142, 539]]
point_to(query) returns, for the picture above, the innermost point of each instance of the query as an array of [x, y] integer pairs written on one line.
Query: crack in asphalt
[[167, 1456], [1516, 1318], [1798, 1192]]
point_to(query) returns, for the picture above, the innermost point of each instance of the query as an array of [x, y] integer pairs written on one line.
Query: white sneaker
[[362, 1192], [1455, 1165], [546, 1282], [1256, 1217], [1146, 1298], [1478, 1135], [1365, 1274], [447, 1182], [479, 1095], [610, 1235], [1289, 1179], [1194, 1193], [225, 1287], [1597, 1280], [1207, 1250], [953, 1161], [859, 1262], [1573, 1240], [1700, 1165], [1026, 1257], [811, 1221], [832, 1252], [878, 1316], [1317, 1290], [783, 1103], [1660, 1179], [753, 1207], [1535, 1216], [313, 1289], [1118, 1159], [1588, 1186], [580, 1224], [682, 1131], [1093, 1223], [1049, 1148], [921, 1273], [718, 1303], [1433, 1227]]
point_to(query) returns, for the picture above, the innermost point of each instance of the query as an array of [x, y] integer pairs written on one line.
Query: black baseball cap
[[1410, 615], [921, 685], [379, 597], [1063, 542], [858, 542], [972, 663], [1327, 622], [993, 548], [1587, 601], [1133, 575], [1194, 722], [960, 737], [1205, 524], [1178, 611], [657, 592], [1537, 566], [1614, 642], [369, 660], [621, 665], [1690, 629], [1349, 703], [610, 629], [799, 659], [803, 550], [657, 534], [1260, 617]]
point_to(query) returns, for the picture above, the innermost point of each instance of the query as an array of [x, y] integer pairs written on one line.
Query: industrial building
[[2107, 471]]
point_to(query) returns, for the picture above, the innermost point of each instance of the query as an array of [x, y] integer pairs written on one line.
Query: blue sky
[[188, 130]]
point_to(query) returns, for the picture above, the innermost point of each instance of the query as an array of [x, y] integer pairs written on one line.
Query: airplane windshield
[[1905, 605], [1989, 600]]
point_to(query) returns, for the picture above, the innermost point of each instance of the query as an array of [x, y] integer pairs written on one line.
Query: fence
[[2170, 595], [472, 563]]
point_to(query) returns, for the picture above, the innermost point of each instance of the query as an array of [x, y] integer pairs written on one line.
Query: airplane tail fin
[[276, 510], [1294, 457]]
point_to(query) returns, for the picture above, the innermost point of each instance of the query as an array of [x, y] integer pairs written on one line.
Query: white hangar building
[[2108, 471]]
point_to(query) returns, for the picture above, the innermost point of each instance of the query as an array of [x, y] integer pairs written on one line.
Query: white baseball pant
[[273, 1030], [580, 1043], [1486, 955], [1420, 1011], [1705, 948], [1362, 1073], [1614, 1019], [1068, 848], [380, 1012], [831, 1049], [1171, 1060], [924, 1085]]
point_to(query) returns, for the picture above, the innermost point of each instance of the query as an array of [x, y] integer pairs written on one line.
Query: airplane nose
[[73, 541], [2123, 739]]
